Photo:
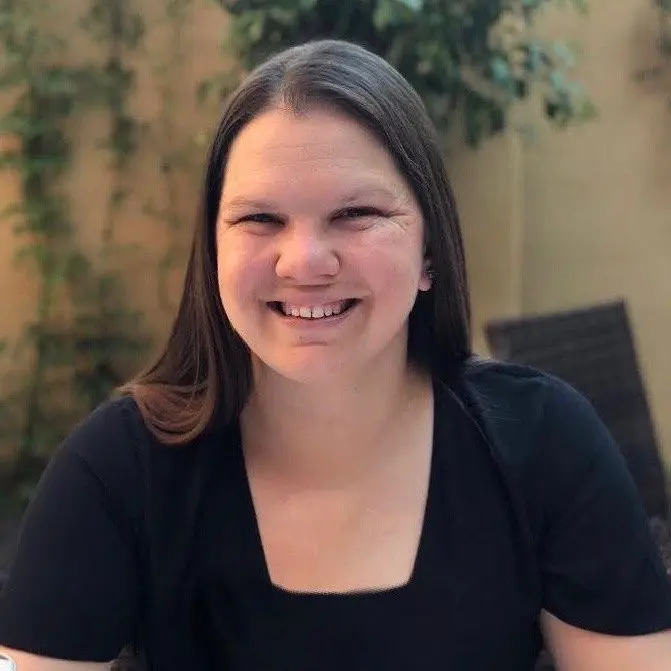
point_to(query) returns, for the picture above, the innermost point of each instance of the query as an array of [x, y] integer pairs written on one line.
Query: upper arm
[[600, 568], [575, 649], [27, 662], [73, 587]]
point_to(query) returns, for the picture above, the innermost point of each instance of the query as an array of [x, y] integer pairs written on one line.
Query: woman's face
[[319, 246]]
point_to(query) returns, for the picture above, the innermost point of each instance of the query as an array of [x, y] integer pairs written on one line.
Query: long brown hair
[[202, 377]]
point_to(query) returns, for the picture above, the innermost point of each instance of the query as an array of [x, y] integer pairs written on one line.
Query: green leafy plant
[[107, 336], [469, 59]]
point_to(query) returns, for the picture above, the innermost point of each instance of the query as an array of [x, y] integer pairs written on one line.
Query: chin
[[312, 368], [318, 365]]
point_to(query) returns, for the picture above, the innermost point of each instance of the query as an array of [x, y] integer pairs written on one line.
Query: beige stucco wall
[[597, 199], [488, 184]]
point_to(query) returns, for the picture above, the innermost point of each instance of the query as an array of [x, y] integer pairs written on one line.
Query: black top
[[530, 506]]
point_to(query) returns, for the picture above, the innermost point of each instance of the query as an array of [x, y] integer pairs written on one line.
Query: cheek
[[393, 260], [240, 269]]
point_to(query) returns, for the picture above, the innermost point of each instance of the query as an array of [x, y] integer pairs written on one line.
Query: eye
[[355, 213], [262, 218]]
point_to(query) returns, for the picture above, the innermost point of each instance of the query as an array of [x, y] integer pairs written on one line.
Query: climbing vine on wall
[[172, 149], [106, 332], [45, 95]]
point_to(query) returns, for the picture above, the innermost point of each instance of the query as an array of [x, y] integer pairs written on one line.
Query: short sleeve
[[72, 590], [600, 567]]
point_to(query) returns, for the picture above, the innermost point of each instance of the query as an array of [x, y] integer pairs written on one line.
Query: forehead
[[325, 148]]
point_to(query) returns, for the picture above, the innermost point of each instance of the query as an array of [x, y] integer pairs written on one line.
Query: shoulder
[[114, 435], [572, 493], [115, 446], [515, 387], [546, 437], [521, 403], [102, 461], [542, 431], [114, 419], [110, 438]]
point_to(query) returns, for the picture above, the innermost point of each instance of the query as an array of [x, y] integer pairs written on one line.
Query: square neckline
[[255, 540]]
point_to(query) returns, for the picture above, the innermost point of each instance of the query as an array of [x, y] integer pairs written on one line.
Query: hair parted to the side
[[203, 375]]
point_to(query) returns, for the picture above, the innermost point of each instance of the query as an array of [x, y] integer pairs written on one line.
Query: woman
[[316, 474]]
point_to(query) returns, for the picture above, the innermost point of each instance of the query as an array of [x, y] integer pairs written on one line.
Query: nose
[[306, 254]]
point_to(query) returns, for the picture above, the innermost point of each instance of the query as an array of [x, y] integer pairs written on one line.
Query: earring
[[427, 281]]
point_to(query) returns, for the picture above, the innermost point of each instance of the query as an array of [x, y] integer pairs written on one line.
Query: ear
[[426, 280]]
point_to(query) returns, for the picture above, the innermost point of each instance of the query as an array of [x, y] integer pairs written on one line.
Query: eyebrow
[[363, 191], [245, 202]]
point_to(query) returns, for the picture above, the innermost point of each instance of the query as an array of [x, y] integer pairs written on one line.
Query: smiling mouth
[[313, 312]]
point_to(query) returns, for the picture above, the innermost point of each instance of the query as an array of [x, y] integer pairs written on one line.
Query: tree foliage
[[469, 59]]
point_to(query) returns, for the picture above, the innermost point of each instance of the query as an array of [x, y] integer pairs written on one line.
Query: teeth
[[313, 312]]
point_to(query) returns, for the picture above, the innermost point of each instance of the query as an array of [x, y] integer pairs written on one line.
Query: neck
[[331, 433]]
